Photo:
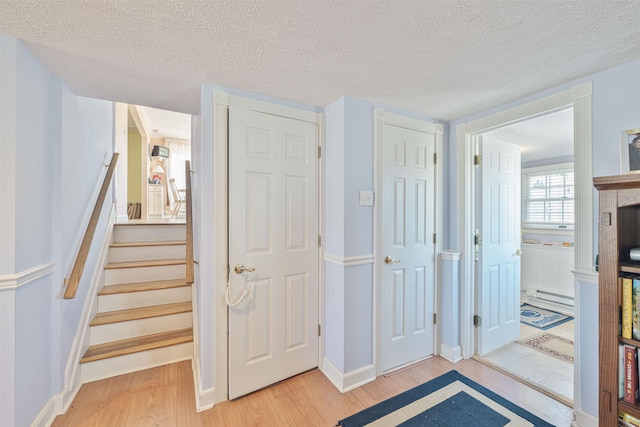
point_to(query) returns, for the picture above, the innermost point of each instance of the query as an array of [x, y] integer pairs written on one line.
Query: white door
[[499, 278], [273, 228], [408, 221]]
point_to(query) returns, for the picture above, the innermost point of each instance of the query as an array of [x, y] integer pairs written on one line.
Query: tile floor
[[546, 371]]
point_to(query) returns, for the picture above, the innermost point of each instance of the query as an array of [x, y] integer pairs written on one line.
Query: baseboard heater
[[551, 297]]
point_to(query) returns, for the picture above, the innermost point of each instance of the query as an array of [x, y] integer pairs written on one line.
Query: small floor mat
[[541, 318], [553, 345]]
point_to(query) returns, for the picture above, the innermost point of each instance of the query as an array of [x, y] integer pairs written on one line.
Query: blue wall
[[60, 143]]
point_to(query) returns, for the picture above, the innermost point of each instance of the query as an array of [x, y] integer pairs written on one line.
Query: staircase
[[144, 315]]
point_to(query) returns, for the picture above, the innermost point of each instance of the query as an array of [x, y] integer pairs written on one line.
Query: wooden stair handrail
[[189, 222], [78, 267]]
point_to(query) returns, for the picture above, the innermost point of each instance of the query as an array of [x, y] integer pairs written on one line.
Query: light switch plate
[[366, 198]]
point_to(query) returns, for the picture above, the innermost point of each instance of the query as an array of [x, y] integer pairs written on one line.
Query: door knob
[[390, 260], [239, 269], [518, 252]]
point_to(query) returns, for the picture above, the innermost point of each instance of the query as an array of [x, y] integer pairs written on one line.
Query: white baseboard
[[331, 372], [351, 380], [205, 399], [48, 414], [452, 354], [582, 419]]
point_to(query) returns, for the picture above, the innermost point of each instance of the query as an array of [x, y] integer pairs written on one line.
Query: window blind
[[548, 198]]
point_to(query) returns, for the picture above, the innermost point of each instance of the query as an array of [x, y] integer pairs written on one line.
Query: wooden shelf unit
[[618, 233]]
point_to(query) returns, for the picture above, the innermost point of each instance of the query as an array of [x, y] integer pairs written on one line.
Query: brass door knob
[[390, 260], [239, 269]]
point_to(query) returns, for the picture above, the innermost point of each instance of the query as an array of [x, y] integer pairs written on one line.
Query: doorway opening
[[542, 355], [153, 145]]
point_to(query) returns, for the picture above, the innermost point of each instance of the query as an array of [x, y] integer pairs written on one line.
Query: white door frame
[[221, 103], [578, 97], [380, 118]]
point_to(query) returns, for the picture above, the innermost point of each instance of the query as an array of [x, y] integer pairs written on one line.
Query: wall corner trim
[[584, 420], [349, 381], [452, 354], [205, 399]]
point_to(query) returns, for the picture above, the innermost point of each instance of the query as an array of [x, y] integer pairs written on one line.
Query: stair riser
[[143, 299], [148, 233], [106, 368], [136, 328], [144, 274], [140, 253]]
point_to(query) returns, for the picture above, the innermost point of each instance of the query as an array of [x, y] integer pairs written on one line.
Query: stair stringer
[[72, 372]]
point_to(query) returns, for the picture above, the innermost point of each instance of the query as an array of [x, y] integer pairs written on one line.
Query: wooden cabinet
[[618, 233], [155, 201]]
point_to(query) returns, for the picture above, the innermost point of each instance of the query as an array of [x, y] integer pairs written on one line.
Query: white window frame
[[548, 169]]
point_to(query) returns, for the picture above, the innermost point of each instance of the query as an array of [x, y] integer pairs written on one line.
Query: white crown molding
[[14, 281], [349, 261]]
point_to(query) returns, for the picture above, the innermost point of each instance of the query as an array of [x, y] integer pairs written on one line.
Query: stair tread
[[143, 244], [137, 344], [145, 263], [150, 224], [140, 313], [124, 288]]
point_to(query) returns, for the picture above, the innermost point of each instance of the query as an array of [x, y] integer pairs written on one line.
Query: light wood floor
[[164, 396]]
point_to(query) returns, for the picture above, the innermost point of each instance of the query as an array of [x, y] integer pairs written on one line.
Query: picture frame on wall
[[630, 151]]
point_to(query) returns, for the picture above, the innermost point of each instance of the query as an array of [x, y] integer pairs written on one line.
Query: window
[[548, 197]]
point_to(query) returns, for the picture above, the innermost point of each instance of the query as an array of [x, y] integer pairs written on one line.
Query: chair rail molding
[[13, 281], [350, 261]]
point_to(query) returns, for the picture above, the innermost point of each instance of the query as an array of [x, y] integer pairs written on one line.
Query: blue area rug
[[541, 318], [449, 400]]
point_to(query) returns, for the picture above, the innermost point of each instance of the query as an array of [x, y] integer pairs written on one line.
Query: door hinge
[[477, 159], [435, 158], [435, 318], [319, 152], [477, 239], [434, 238], [319, 241], [319, 330], [477, 320]]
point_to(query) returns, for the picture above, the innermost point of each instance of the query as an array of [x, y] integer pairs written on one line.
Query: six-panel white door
[[273, 228], [408, 221], [499, 277]]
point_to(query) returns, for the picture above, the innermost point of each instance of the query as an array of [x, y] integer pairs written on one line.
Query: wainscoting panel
[[546, 272]]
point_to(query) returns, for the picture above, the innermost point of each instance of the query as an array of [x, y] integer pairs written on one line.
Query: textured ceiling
[[442, 58]]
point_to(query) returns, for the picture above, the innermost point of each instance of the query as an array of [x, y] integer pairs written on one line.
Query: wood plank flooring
[[164, 396]]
